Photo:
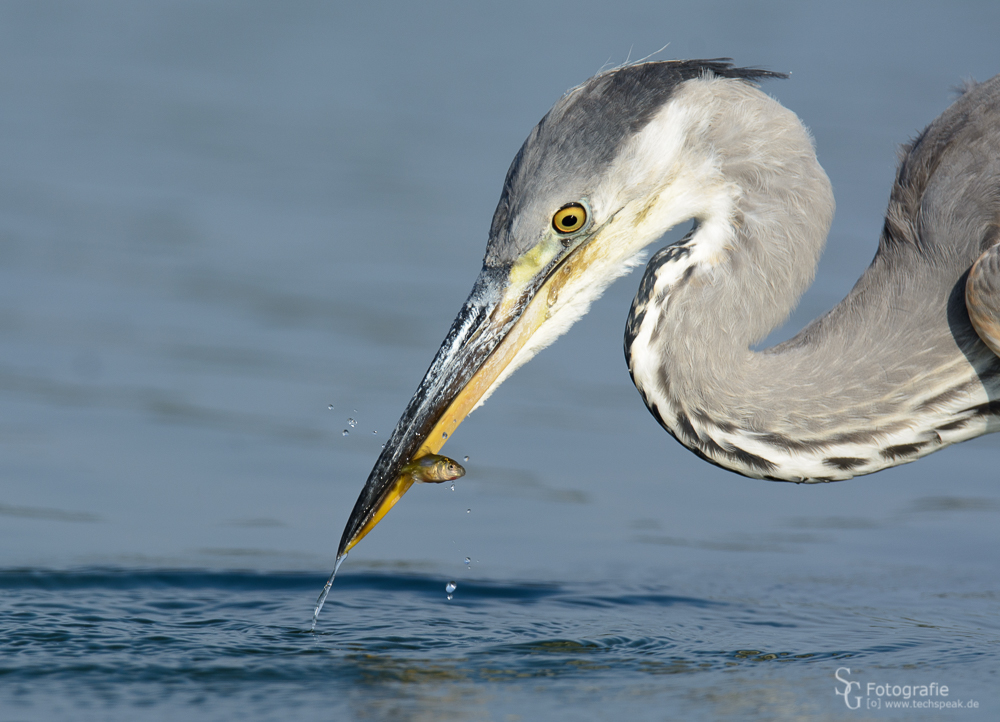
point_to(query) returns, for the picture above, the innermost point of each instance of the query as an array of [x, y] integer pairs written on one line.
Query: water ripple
[[61, 615], [118, 638]]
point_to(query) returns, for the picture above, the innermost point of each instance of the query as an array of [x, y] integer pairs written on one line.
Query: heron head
[[607, 171]]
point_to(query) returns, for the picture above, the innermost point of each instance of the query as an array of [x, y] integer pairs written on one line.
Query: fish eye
[[570, 218]]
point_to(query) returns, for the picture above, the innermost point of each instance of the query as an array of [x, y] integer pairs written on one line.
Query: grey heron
[[905, 365]]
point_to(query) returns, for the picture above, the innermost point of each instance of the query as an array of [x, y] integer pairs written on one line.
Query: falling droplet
[[326, 591], [383, 446], [330, 407], [444, 434], [374, 433], [468, 511], [450, 587], [468, 560], [466, 459], [352, 423], [346, 433], [453, 486], [450, 597]]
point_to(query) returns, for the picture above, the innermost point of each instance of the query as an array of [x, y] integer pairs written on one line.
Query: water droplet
[[450, 597], [466, 459], [326, 591], [468, 511], [450, 587], [453, 486], [355, 411], [351, 422], [374, 433], [330, 407], [383, 446], [468, 560], [346, 433], [444, 434]]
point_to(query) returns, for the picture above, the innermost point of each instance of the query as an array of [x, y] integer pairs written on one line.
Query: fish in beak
[[488, 339]]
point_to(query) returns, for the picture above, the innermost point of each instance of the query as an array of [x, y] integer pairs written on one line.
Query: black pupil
[[569, 221]]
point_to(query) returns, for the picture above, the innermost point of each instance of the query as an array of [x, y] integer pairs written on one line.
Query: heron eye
[[570, 218]]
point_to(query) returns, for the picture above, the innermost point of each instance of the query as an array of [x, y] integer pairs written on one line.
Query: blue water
[[219, 220], [113, 644]]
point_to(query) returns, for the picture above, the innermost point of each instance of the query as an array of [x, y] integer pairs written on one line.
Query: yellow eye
[[570, 218]]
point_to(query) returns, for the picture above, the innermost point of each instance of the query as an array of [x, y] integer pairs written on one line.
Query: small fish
[[433, 469], [430, 469]]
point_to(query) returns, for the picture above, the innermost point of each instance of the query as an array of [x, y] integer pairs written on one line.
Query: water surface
[[216, 222]]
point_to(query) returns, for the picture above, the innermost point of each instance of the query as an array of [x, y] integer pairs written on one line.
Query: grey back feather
[[943, 212]]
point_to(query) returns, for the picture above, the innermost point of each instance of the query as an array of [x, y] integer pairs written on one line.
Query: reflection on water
[[34, 512]]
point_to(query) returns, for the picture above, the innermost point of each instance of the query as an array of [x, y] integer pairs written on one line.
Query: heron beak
[[506, 307]]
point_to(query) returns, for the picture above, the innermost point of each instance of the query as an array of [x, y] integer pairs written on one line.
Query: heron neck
[[746, 267], [843, 397]]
